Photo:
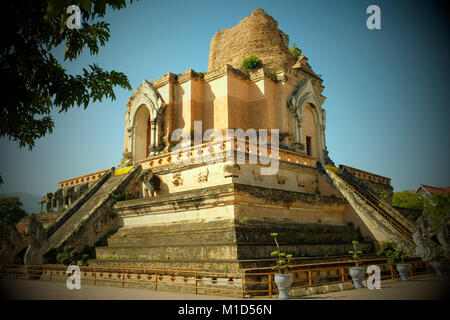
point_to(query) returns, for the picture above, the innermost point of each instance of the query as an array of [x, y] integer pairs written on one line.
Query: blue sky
[[386, 89]]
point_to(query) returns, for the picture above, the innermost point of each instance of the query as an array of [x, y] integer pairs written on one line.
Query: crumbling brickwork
[[256, 35]]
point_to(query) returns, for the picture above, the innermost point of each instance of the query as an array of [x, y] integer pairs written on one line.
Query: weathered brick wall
[[256, 35]]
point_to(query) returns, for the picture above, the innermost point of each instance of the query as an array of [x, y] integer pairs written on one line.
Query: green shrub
[[70, 256], [244, 220], [392, 252], [296, 52], [119, 197], [251, 62], [381, 194]]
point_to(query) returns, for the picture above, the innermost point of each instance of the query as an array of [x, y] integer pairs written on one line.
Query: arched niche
[[307, 120], [142, 133], [144, 122], [310, 134]]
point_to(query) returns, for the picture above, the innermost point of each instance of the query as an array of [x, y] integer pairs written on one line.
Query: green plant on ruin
[[393, 252], [244, 220], [123, 235], [70, 256], [304, 239], [252, 62], [283, 260], [381, 194], [117, 197], [355, 253], [296, 52]]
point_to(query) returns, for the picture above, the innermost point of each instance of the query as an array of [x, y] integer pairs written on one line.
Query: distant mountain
[[30, 202]]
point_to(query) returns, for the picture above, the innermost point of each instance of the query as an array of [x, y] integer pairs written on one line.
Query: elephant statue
[[81, 190], [47, 200], [68, 196], [11, 241], [57, 200], [37, 242], [150, 183]]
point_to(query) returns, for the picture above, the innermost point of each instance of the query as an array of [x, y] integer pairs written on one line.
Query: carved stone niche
[[281, 179], [299, 183], [298, 147]]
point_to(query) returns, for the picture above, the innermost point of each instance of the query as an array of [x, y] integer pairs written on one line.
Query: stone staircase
[[80, 221], [385, 223], [222, 245]]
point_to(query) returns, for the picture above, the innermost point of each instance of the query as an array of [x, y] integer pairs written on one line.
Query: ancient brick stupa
[[256, 35], [220, 215]]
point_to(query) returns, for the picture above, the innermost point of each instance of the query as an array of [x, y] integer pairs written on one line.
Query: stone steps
[[383, 228], [93, 204], [213, 242]]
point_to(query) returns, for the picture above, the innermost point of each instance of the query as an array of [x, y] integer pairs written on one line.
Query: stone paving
[[418, 288], [426, 287]]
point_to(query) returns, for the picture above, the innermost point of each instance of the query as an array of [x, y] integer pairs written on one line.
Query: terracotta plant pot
[[403, 271], [283, 282], [438, 267], [357, 275]]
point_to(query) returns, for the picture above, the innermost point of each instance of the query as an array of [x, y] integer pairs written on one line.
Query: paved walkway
[[19, 289], [418, 288], [426, 287]]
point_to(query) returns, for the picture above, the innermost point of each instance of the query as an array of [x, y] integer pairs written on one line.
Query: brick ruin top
[[258, 35]]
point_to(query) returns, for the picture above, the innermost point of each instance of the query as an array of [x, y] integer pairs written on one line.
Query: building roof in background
[[433, 190]]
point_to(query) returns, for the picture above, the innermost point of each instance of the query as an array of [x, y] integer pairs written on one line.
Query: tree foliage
[[408, 200], [437, 204], [36, 83], [10, 209]]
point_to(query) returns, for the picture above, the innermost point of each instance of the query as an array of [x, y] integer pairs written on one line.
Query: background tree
[[36, 83], [10, 209], [408, 200]]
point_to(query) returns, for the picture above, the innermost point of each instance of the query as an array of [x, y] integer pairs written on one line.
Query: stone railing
[[364, 175], [230, 148], [79, 202], [205, 150], [103, 207], [89, 177]]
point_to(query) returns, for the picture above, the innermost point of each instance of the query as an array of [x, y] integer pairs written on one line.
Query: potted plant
[[438, 264], [395, 254], [357, 273], [283, 280]]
